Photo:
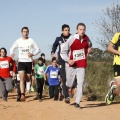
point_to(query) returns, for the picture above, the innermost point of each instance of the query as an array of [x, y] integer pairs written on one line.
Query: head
[[81, 29], [65, 30], [25, 32], [54, 62], [40, 60], [3, 52], [43, 55]]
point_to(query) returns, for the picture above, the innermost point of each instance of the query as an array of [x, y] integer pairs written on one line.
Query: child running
[[39, 69], [53, 73]]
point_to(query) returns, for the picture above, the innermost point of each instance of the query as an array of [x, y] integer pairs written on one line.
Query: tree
[[108, 24]]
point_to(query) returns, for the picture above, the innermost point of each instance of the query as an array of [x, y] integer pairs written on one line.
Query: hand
[[52, 55], [89, 50], [12, 55], [71, 62], [30, 55]]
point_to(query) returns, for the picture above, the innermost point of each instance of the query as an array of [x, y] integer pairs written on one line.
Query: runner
[[77, 46], [114, 90], [39, 69], [60, 40], [43, 57], [5, 78], [25, 47], [53, 73]]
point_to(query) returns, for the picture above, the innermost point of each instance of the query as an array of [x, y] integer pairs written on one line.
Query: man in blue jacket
[[58, 42]]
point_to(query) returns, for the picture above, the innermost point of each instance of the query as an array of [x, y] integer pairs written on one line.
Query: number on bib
[[4, 64], [53, 74], [40, 71], [78, 54]]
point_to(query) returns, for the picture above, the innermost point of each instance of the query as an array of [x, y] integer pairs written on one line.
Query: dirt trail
[[56, 110]]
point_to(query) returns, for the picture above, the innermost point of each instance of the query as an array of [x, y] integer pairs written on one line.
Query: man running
[[58, 42], [25, 47], [114, 47], [5, 77], [77, 46]]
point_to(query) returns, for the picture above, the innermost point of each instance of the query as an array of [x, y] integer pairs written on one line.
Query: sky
[[44, 19]]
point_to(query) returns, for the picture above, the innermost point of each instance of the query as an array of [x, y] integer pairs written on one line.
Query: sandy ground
[[49, 109]]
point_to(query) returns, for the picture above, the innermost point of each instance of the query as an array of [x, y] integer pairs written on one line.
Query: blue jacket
[[58, 42]]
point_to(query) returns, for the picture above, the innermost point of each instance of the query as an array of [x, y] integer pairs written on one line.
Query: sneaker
[[22, 98], [18, 98], [32, 89], [111, 82], [37, 97], [40, 99], [110, 96], [67, 100], [73, 104], [61, 98], [77, 106]]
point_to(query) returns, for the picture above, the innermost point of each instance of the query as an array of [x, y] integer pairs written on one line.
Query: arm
[[45, 73], [45, 76], [54, 47], [37, 49], [90, 46], [111, 49], [65, 48], [112, 43], [13, 48], [14, 68]]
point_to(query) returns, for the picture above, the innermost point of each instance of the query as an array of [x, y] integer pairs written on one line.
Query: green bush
[[98, 77]]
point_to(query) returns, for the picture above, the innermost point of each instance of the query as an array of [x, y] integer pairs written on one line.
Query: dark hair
[[54, 58], [64, 26], [42, 54], [24, 28], [80, 24], [40, 58], [4, 50]]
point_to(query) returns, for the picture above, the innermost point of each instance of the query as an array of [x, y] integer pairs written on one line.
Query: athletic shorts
[[116, 71], [25, 66]]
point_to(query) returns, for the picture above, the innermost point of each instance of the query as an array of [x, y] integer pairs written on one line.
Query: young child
[[53, 73], [39, 69]]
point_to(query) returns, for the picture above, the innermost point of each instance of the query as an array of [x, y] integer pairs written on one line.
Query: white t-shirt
[[24, 47]]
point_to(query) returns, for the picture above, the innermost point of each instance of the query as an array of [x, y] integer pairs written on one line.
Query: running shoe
[[77, 106], [22, 98], [67, 100], [110, 96], [32, 89]]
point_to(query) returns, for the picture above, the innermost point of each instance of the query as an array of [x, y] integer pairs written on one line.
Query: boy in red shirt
[[78, 46], [5, 79]]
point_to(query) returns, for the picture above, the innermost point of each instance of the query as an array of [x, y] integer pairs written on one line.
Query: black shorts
[[116, 70], [25, 66]]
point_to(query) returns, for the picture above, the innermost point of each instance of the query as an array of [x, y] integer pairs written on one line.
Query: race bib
[[4, 64], [53, 74], [18, 77], [24, 51], [78, 54], [40, 71]]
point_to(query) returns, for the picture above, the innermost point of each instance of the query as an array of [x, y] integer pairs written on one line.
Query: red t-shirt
[[5, 66]]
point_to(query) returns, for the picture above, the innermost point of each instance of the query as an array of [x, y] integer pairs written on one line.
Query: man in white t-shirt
[[25, 47]]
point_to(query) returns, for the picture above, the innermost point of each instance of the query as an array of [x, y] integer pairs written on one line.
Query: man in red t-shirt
[[5, 78]]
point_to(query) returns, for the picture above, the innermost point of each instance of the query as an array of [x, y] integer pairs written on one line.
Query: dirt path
[[56, 110]]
